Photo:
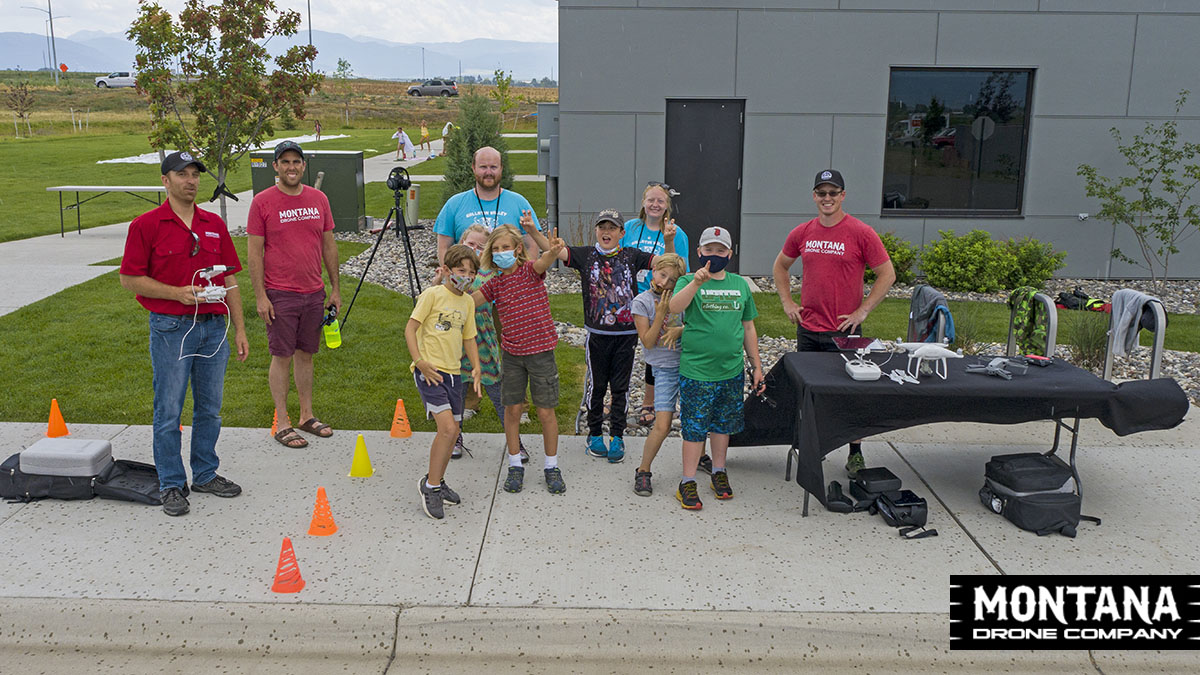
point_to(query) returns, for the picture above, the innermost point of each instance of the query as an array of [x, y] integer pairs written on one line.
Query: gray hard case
[[66, 457]]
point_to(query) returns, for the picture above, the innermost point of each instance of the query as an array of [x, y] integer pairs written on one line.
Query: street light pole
[[422, 63], [49, 11], [309, 3]]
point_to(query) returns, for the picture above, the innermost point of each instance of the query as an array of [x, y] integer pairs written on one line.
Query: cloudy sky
[[422, 21]]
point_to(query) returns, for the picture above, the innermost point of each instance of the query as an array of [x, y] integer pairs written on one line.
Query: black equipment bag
[[905, 510], [129, 481], [17, 485], [1036, 492]]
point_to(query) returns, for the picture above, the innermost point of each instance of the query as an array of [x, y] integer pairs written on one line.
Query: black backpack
[[122, 480], [1036, 492]]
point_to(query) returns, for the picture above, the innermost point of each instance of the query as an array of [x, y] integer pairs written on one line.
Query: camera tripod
[[395, 217]]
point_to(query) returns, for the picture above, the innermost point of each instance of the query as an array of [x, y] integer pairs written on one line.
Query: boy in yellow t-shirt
[[441, 328]]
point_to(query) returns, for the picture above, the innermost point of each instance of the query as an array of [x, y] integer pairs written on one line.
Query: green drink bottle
[[331, 329]]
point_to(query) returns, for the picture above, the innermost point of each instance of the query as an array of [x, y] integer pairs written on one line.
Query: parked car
[[434, 88], [944, 139], [121, 79]]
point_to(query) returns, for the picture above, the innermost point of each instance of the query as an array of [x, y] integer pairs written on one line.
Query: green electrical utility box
[[343, 182]]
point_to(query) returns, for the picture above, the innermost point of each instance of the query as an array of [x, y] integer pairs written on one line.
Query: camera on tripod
[[398, 180]]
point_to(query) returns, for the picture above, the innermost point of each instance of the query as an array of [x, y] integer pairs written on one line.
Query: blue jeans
[[171, 375]]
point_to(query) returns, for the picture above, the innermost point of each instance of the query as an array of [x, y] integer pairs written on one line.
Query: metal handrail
[[1051, 326], [1160, 330]]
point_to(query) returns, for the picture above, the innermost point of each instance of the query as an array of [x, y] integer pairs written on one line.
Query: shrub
[[903, 255], [1036, 262], [477, 126], [972, 262], [970, 330], [1088, 337]]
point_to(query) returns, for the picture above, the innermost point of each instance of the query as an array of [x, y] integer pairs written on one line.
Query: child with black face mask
[[608, 275], [718, 318]]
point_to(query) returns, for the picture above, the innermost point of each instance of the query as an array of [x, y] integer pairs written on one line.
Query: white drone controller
[[212, 292]]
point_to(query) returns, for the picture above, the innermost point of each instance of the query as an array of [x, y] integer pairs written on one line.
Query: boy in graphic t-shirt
[[608, 275], [718, 318]]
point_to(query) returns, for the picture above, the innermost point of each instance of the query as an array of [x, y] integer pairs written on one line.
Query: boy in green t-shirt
[[718, 318]]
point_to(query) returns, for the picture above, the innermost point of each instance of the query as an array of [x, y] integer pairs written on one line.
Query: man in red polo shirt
[[289, 237], [166, 252]]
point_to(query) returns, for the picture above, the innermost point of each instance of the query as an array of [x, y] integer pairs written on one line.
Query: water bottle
[[331, 329]]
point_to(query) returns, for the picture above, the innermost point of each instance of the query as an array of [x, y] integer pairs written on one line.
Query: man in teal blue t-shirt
[[485, 204]]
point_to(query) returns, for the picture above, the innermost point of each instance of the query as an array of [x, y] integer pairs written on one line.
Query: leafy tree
[[934, 122], [19, 99], [477, 126], [345, 92], [205, 76], [1154, 200], [504, 96]]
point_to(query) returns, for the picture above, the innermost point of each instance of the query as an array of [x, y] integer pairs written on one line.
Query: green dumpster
[[343, 182]]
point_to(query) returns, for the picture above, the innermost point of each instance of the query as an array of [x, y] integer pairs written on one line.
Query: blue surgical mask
[[504, 259], [716, 263]]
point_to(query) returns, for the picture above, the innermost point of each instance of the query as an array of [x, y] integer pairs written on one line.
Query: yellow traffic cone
[[361, 466]]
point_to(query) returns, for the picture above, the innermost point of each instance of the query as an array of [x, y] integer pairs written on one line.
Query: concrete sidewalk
[[597, 580]]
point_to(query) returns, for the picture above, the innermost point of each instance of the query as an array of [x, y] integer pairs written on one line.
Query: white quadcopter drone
[[920, 353]]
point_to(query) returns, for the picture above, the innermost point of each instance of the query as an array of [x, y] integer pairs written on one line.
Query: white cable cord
[[195, 314]]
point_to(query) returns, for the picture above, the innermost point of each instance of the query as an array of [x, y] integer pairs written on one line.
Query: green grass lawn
[[522, 143], [518, 165], [32, 165], [380, 199], [86, 346]]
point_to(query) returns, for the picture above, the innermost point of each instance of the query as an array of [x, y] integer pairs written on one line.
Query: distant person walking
[[425, 144], [404, 144], [317, 129], [165, 251], [289, 238]]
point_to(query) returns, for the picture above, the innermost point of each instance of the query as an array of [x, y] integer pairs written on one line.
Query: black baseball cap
[[610, 216], [831, 176], [288, 145], [178, 161]]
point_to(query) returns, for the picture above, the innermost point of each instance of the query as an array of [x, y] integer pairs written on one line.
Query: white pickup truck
[[121, 79]]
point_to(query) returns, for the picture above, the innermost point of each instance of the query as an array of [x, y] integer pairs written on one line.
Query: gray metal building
[[738, 103]]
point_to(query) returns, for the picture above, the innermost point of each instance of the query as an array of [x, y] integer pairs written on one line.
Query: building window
[[956, 141]]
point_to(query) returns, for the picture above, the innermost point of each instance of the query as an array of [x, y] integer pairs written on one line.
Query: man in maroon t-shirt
[[289, 237], [835, 249], [167, 251]]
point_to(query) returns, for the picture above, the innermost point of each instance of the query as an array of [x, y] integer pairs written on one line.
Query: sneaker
[[431, 500], [459, 448], [688, 497], [554, 481], [515, 480], [173, 502], [524, 418], [705, 464], [523, 452], [595, 446], [720, 485], [641, 484], [219, 486], [616, 450], [854, 464], [468, 414], [450, 496]]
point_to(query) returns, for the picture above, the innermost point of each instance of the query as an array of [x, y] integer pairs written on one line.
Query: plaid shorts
[[710, 407]]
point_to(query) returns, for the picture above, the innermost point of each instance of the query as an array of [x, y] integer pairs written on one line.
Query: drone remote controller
[[211, 294]]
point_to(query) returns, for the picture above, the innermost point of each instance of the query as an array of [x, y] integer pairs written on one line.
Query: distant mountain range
[[369, 57]]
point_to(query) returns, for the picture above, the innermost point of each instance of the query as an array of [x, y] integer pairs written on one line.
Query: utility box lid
[[66, 457]]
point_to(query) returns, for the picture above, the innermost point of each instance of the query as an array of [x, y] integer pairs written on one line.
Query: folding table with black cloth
[[812, 405]]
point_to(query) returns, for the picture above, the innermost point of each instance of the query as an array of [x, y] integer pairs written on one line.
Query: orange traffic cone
[[57, 427], [274, 424], [287, 573], [400, 427], [322, 520]]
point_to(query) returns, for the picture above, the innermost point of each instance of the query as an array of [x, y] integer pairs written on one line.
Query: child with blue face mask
[[608, 276], [527, 344], [718, 318]]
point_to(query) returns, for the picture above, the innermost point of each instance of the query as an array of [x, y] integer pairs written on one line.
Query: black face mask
[[716, 263]]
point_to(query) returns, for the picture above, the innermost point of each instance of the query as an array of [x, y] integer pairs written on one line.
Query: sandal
[[646, 416], [289, 438], [317, 428]]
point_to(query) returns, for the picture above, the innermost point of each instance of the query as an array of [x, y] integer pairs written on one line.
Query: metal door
[[704, 164]]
